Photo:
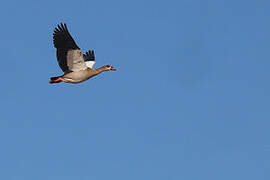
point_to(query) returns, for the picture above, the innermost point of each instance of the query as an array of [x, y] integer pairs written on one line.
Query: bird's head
[[109, 68]]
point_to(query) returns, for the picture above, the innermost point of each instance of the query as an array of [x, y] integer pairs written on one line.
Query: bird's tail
[[55, 79]]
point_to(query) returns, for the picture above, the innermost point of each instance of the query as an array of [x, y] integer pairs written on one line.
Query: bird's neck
[[101, 69]]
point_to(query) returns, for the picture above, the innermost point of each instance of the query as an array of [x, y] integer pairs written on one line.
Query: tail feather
[[55, 80]]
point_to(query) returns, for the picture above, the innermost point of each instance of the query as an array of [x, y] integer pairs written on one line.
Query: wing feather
[[89, 58], [68, 53]]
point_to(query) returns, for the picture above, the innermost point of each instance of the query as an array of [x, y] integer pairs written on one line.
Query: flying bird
[[77, 67]]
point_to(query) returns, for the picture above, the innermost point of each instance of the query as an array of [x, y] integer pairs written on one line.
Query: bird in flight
[[77, 67]]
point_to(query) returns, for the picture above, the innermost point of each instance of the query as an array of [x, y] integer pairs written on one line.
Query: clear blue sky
[[190, 99]]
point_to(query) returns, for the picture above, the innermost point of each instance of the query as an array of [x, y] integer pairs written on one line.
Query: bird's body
[[80, 76], [77, 67]]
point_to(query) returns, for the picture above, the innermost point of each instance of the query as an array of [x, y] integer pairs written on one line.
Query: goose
[[77, 67]]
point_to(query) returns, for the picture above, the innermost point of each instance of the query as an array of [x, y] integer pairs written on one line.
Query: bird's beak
[[113, 69]]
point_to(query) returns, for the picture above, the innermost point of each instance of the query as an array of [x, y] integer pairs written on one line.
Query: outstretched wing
[[69, 55], [89, 58]]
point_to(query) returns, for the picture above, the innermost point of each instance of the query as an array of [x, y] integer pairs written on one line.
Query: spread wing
[[89, 58], [69, 55]]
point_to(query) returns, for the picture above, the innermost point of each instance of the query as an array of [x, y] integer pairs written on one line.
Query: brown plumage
[[77, 67]]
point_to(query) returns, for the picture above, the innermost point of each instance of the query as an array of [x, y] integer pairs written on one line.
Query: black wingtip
[[61, 26], [89, 55]]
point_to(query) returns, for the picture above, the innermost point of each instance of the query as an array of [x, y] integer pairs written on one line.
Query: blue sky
[[190, 99]]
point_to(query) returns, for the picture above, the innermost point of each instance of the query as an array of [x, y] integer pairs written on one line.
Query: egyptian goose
[[77, 67]]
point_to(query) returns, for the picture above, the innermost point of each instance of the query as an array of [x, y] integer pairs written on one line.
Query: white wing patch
[[90, 64]]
